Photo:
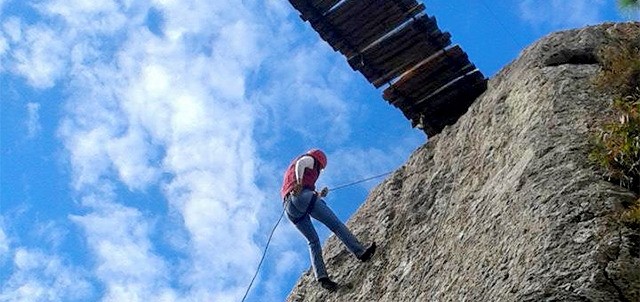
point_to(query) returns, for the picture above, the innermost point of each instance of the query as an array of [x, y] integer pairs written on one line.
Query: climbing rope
[[359, 181], [264, 252]]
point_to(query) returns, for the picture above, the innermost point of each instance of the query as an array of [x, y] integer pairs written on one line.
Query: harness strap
[[312, 203]]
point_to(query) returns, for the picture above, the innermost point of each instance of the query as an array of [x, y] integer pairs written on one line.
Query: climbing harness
[[264, 252], [312, 204]]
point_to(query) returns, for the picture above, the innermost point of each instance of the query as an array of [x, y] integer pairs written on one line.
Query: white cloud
[[285, 267], [4, 46], [4, 244], [126, 263], [40, 56], [12, 28], [278, 8], [11, 32], [560, 14], [241, 39], [131, 156], [33, 119], [307, 94], [38, 276], [190, 105], [91, 16], [89, 159], [184, 113], [41, 52]]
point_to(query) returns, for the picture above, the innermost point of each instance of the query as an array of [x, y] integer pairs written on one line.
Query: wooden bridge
[[395, 43]]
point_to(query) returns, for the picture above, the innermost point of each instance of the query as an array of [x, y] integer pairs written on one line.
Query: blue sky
[[143, 142]]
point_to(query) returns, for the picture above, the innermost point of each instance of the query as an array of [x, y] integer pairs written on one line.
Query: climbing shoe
[[327, 284], [368, 253]]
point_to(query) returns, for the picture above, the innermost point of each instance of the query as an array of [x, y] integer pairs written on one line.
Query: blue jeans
[[297, 210]]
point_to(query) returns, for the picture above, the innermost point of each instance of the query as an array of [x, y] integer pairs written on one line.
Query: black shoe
[[327, 284], [368, 253]]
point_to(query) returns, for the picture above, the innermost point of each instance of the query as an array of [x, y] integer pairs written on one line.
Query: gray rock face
[[504, 205]]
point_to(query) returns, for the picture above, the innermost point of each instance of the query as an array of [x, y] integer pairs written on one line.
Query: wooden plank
[[360, 23], [441, 96], [389, 48], [352, 8], [372, 12], [310, 9], [447, 105], [429, 75], [334, 37], [436, 119], [420, 90], [383, 39], [425, 88], [430, 83], [363, 35], [429, 64], [325, 5], [359, 9], [449, 91], [396, 97], [400, 51]]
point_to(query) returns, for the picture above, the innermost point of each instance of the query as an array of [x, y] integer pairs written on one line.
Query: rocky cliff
[[504, 205]]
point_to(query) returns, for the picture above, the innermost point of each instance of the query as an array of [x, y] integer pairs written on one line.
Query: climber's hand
[[297, 188], [324, 192]]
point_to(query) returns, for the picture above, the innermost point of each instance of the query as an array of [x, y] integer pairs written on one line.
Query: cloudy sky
[[143, 142]]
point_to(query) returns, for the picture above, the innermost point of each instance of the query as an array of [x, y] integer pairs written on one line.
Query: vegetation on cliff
[[617, 145]]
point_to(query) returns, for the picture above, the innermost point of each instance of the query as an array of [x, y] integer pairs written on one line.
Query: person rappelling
[[301, 202]]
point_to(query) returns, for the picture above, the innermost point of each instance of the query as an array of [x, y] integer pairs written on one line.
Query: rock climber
[[302, 202]]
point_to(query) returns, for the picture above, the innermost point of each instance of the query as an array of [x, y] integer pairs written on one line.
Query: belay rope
[[264, 252], [359, 181]]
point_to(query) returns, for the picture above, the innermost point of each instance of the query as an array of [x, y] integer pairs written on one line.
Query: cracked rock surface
[[504, 205]]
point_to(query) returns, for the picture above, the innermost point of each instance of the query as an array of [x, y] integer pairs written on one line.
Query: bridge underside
[[395, 43]]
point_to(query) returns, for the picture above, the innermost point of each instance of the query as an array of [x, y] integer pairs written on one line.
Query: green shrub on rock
[[617, 145]]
